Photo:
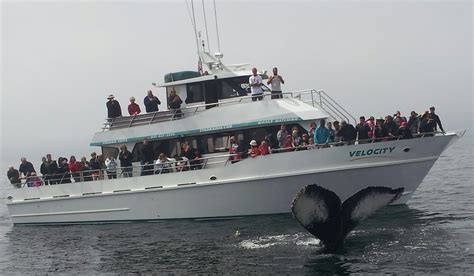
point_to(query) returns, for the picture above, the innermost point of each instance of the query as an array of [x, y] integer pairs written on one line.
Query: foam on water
[[279, 240]]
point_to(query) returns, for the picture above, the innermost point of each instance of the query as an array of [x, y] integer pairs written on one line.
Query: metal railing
[[317, 98], [178, 166]]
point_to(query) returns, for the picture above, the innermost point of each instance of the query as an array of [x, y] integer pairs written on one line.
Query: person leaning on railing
[[125, 157], [14, 177], [85, 169], [175, 104]]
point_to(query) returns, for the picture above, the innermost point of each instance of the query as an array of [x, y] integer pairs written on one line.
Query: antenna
[[194, 25], [205, 24], [217, 28]]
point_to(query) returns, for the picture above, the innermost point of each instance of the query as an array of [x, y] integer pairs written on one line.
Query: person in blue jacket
[[321, 135]]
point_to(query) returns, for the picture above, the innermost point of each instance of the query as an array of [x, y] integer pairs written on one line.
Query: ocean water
[[434, 233]]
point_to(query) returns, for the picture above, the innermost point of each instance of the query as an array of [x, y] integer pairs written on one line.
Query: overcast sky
[[61, 59]]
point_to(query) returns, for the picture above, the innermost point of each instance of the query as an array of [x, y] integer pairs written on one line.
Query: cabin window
[[110, 150], [234, 87], [194, 92]]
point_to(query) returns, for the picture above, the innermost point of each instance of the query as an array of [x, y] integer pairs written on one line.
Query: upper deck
[[238, 113]]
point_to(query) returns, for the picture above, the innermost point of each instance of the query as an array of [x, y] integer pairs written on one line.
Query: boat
[[217, 105]]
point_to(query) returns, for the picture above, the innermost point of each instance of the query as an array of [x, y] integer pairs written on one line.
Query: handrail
[[200, 163], [326, 103]]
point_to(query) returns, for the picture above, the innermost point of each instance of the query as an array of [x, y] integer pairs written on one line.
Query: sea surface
[[434, 233]]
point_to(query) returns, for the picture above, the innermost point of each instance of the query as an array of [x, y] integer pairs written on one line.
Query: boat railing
[[316, 98], [319, 98], [179, 166]]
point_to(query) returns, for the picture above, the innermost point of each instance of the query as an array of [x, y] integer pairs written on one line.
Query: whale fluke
[[320, 211]]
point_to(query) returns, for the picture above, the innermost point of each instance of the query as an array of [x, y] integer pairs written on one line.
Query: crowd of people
[[326, 134], [340, 133]]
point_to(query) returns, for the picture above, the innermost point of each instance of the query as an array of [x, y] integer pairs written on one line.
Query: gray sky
[[60, 60]]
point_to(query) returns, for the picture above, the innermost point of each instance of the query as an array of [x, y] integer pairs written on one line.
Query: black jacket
[[348, 133], [151, 105], [14, 176], [437, 122], [175, 102], [146, 153], [26, 168], [44, 168], [390, 128], [362, 131], [113, 109], [125, 159], [52, 167]]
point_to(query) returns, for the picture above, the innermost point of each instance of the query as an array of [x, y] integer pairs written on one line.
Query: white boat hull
[[257, 186]]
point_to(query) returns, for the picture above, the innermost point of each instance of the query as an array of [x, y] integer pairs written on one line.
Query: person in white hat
[[133, 108], [113, 108], [254, 152]]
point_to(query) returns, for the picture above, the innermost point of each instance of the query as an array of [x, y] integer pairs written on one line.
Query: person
[[312, 129], [390, 128], [111, 166], [26, 168], [163, 164], [125, 157], [404, 131], [435, 118], [427, 124], [233, 154], [255, 82], [190, 154], [103, 167], [332, 132], [264, 149], [281, 136], [305, 141], [133, 108], [398, 118], [348, 133], [151, 102], [44, 168], [14, 177], [146, 158], [321, 135], [337, 133], [52, 169], [85, 169], [371, 125], [414, 123], [295, 138], [181, 163], [74, 167], [34, 181], [362, 131], [288, 144], [378, 131], [242, 149], [254, 152], [175, 104], [94, 166], [63, 172], [276, 80], [113, 108]]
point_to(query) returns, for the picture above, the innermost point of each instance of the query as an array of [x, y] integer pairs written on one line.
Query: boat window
[[110, 150], [157, 146], [234, 87], [195, 93]]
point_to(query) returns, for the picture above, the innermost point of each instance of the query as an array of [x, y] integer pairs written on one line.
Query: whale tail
[[320, 211]]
